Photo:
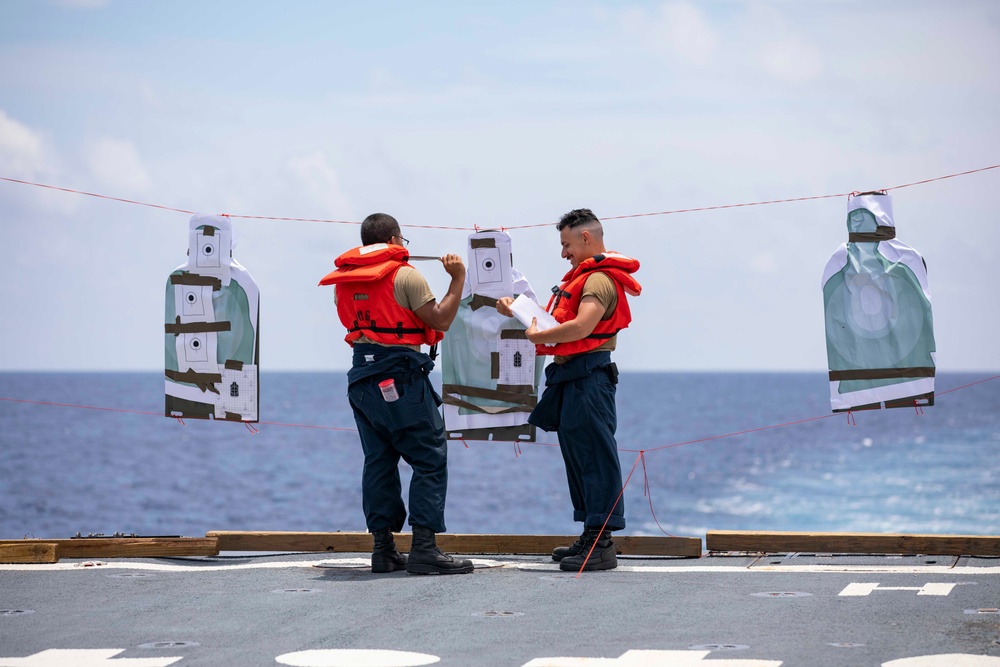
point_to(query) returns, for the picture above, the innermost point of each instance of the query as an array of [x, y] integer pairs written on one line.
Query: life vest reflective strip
[[564, 304], [366, 303]]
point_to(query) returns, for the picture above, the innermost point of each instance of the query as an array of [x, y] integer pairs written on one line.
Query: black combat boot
[[426, 558], [603, 556], [562, 552], [385, 555]]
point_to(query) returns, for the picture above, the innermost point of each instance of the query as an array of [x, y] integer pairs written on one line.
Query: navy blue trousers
[[410, 428], [579, 404]]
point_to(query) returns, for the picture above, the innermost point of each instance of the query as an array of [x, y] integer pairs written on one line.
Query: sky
[[451, 114]]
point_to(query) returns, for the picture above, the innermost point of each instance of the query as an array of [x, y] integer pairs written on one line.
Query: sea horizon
[[719, 450]]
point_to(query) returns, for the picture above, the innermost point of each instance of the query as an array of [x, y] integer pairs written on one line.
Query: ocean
[[66, 470]]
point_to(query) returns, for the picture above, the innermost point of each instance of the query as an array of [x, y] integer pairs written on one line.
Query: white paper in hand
[[525, 310]]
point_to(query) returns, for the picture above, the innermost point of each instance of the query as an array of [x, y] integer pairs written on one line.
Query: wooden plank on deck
[[36, 552], [128, 547], [451, 543], [235, 540], [852, 543]]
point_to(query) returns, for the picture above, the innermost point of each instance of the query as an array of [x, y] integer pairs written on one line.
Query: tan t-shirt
[[600, 286], [411, 291]]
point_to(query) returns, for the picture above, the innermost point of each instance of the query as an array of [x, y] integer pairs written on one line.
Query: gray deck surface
[[786, 609]]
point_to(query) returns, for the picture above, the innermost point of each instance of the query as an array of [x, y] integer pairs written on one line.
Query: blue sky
[[461, 114]]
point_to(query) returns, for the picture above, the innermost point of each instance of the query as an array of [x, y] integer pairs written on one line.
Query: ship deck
[[322, 609]]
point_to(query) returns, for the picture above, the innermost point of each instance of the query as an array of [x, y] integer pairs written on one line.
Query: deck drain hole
[[16, 612], [169, 644], [296, 590], [989, 610], [132, 575], [493, 614], [782, 594], [844, 645], [718, 647]]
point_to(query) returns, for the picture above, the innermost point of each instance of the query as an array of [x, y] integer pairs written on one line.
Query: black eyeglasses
[[406, 242]]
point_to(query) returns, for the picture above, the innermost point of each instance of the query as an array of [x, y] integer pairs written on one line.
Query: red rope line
[[730, 435], [722, 206], [269, 217], [608, 517], [647, 491], [971, 384], [941, 178], [773, 201], [517, 444], [85, 407], [325, 428], [94, 194], [850, 419], [475, 227], [160, 414]]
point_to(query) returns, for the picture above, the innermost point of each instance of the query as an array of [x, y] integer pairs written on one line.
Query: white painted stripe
[[862, 589], [912, 569], [809, 569], [945, 660], [653, 658], [520, 565], [356, 658], [84, 657]]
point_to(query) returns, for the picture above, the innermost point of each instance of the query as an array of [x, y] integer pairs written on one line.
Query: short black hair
[[378, 228], [576, 218]]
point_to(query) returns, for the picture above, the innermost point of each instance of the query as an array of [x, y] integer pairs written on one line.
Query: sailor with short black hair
[[591, 306], [389, 312]]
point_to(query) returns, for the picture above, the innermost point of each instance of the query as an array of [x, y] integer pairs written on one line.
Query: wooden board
[[852, 543], [36, 552], [235, 540], [127, 547], [456, 544]]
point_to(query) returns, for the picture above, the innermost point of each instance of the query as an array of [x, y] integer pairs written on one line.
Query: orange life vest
[[366, 305], [565, 301]]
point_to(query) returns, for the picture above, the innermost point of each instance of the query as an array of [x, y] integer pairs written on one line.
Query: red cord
[[476, 227]]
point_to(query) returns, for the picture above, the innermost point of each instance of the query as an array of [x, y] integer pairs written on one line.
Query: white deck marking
[[345, 563], [867, 589], [945, 660], [811, 569], [652, 659], [362, 563], [355, 658], [84, 657], [520, 565]]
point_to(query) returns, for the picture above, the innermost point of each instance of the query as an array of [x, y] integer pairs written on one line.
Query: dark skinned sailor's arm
[[440, 314]]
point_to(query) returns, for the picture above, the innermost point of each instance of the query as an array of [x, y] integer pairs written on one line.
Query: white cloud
[[764, 263], [320, 183], [27, 154], [688, 32], [116, 164], [792, 60], [22, 152], [676, 28]]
